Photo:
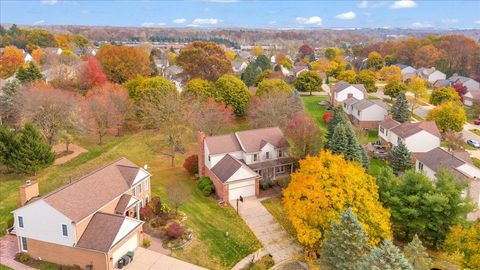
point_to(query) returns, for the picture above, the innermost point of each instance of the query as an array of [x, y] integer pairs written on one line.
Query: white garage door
[[235, 192], [130, 245]]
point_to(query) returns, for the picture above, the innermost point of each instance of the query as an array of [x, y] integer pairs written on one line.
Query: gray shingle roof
[[408, 129], [226, 167]]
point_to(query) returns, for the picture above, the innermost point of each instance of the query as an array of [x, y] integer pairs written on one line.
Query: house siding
[[66, 255]]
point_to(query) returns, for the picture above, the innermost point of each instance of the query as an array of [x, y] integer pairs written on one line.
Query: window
[[146, 183], [280, 169], [24, 243], [382, 130], [267, 155], [255, 157], [399, 140], [140, 187], [134, 191], [358, 113], [208, 158], [64, 230], [420, 166], [20, 221], [386, 132], [280, 153]]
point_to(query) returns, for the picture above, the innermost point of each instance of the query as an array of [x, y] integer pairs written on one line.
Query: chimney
[[387, 117], [201, 153], [349, 95], [28, 191]]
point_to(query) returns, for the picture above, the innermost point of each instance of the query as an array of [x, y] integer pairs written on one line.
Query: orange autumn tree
[[38, 55], [324, 187], [10, 61]]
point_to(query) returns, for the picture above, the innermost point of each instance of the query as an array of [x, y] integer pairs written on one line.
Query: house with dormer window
[[237, 162]]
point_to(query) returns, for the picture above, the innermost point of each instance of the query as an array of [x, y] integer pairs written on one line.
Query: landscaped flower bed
[[163, 223]]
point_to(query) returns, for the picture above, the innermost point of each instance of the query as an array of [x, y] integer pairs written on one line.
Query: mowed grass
[[314, 109], [376, 165], [210, 249]]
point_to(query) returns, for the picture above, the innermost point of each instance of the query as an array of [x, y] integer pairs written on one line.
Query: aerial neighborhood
[[201, 148]]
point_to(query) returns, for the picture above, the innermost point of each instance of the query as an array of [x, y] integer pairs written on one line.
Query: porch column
[[291, 167], [274, 169]]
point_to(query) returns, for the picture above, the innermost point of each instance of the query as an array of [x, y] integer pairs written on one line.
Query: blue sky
[[251, 14]]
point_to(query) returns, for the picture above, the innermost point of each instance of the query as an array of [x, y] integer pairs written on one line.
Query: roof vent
[[28, 182], [145, 166]]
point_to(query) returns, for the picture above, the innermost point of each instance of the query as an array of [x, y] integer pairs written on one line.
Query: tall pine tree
[[386, 256], [337, 117], [345, 142], [249, 76], [417, 255], [345, 244], [29, 74], [32, 153], [401, 159], [400, 110]]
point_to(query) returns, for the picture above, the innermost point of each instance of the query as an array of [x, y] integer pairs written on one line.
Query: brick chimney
[[201, 153], [28, 191], [387, 117]]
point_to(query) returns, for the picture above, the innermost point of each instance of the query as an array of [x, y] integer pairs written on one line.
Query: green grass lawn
[[3, 267], [208, 220], [314, 109], [376, 165], [372, 135]]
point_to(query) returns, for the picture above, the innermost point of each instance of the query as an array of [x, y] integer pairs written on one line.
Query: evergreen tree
[[153, 65], [338, 144], [263, 62], [346, 143], [401, 159], [32, 153], [29, 74], [345, 244], [365, 160], [249, 76], [400, 110], [354, 149], [417, 255], [8, 144], [336, 118], [385, 257]]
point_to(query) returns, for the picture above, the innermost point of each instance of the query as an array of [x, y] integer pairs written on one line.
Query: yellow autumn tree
[[231, 55], [324, 187], [391, 74], [38, 55], [257, 50]]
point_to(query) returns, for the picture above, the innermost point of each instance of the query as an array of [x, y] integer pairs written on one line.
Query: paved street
[[274, 238], [145, 259]]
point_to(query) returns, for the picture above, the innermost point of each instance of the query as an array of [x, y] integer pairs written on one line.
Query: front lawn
[[208, 220], [314, 109]]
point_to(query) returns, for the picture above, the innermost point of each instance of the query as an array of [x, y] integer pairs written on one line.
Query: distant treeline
[[217, 40]]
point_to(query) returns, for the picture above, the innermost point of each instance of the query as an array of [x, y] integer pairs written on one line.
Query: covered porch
[[273, 169]]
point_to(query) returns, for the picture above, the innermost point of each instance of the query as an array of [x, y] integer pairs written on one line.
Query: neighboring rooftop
[[342, 85], [438, 158], [408, 129], [91, 192], [365, 103], [389, 123]]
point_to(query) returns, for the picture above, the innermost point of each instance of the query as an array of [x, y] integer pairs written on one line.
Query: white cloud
[[182, 20], [403, 4], [209, 21], [346, 16], [450, 21], [421, 25], [272, 22], [148, 24], [161, 24], [312, 20], [363, 4], [193, 25], [39, 22], [49, 2]]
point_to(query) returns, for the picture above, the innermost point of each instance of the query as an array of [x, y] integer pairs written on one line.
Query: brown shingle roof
[[389, 123], [342, 85], [226, 167], [123, 203], [253, 140], [222, 144], [439, 158], [89, 193], [101, 231], [408, 129]]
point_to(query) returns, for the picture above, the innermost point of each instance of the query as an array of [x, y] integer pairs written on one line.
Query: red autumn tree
[[304, 134], [91, 73], [210, 117], [175, 230], [105, 109], [305, 50], [122, 63], [191, 164], [461, 89]]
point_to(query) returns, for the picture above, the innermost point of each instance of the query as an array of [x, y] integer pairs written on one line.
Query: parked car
[[476, 121], [474, 143]]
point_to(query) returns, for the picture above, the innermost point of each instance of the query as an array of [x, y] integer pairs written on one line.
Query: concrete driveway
[[145, 259], [276, 241]]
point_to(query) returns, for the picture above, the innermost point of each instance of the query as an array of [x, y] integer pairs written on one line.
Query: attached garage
[[244, 189], [130, 245]]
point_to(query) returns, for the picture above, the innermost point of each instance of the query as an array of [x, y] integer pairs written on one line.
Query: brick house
[[432, 161], [91, 222], [237, 162], [366, 113]]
